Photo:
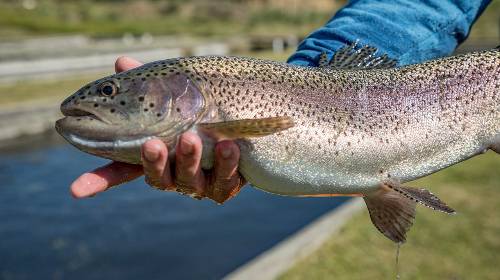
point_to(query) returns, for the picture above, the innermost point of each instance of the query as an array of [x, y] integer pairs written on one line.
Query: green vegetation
[[194, 17], [487, 26], [463, 246], [105, 18]]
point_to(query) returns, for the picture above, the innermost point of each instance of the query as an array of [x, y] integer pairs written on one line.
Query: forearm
[[408, 30]]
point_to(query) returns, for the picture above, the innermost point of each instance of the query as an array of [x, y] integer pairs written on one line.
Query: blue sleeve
[[410, 31]]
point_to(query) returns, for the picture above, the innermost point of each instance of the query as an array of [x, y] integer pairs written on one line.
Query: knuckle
[[168, 184], [153, 182], [223, 189], [188, 186], [185, 174], [186, 168], [226, 167], [186, 164]]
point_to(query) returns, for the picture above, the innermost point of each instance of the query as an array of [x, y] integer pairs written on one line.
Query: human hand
[[219, 184]]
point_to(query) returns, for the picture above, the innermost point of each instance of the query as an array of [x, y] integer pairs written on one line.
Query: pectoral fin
[[246, 128]]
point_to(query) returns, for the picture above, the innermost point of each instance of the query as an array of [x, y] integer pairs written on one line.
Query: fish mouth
[[84, 122], [83, 113], [85, 126]]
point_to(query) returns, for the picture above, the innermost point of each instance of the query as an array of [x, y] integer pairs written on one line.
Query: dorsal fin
[[364, 58], [323, 60]]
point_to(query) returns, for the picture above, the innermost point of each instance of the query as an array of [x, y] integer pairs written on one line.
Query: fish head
[[113, 116]]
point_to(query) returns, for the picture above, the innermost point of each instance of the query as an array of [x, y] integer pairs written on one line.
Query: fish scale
[[341, 129], [376, 120]]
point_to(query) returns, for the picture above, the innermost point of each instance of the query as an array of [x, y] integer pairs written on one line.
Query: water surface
[[130, 232]]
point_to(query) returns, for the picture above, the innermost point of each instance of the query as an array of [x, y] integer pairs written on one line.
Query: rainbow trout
[[355, 126]]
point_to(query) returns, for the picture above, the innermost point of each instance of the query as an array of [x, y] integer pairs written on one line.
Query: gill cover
[[181, 104]]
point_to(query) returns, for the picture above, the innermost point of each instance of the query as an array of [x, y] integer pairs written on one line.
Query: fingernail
[[186, 147], [226, 153], [151, 154]]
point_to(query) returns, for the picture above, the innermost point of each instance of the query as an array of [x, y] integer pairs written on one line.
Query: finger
[[188, 172], [226, 181], [104, 178], [124, 63], [155, 163]]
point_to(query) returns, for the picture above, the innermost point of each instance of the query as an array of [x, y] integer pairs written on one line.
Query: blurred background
[[48, 49]]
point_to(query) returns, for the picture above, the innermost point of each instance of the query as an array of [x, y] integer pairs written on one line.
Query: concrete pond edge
[[284, 255]]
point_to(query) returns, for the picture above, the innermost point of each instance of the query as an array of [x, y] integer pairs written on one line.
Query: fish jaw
[[92, 132], [127, 151]]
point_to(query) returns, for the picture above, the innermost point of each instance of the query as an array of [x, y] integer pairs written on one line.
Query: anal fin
[[246, 128], [422, 196], [391, 213]]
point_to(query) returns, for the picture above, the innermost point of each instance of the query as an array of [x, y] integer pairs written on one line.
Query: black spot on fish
[[112, 110], [96, 105], [146, 109], [122, 103], [141, 98], [151, 105]]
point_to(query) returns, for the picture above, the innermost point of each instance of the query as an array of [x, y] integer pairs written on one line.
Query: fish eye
[[108, 89]]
